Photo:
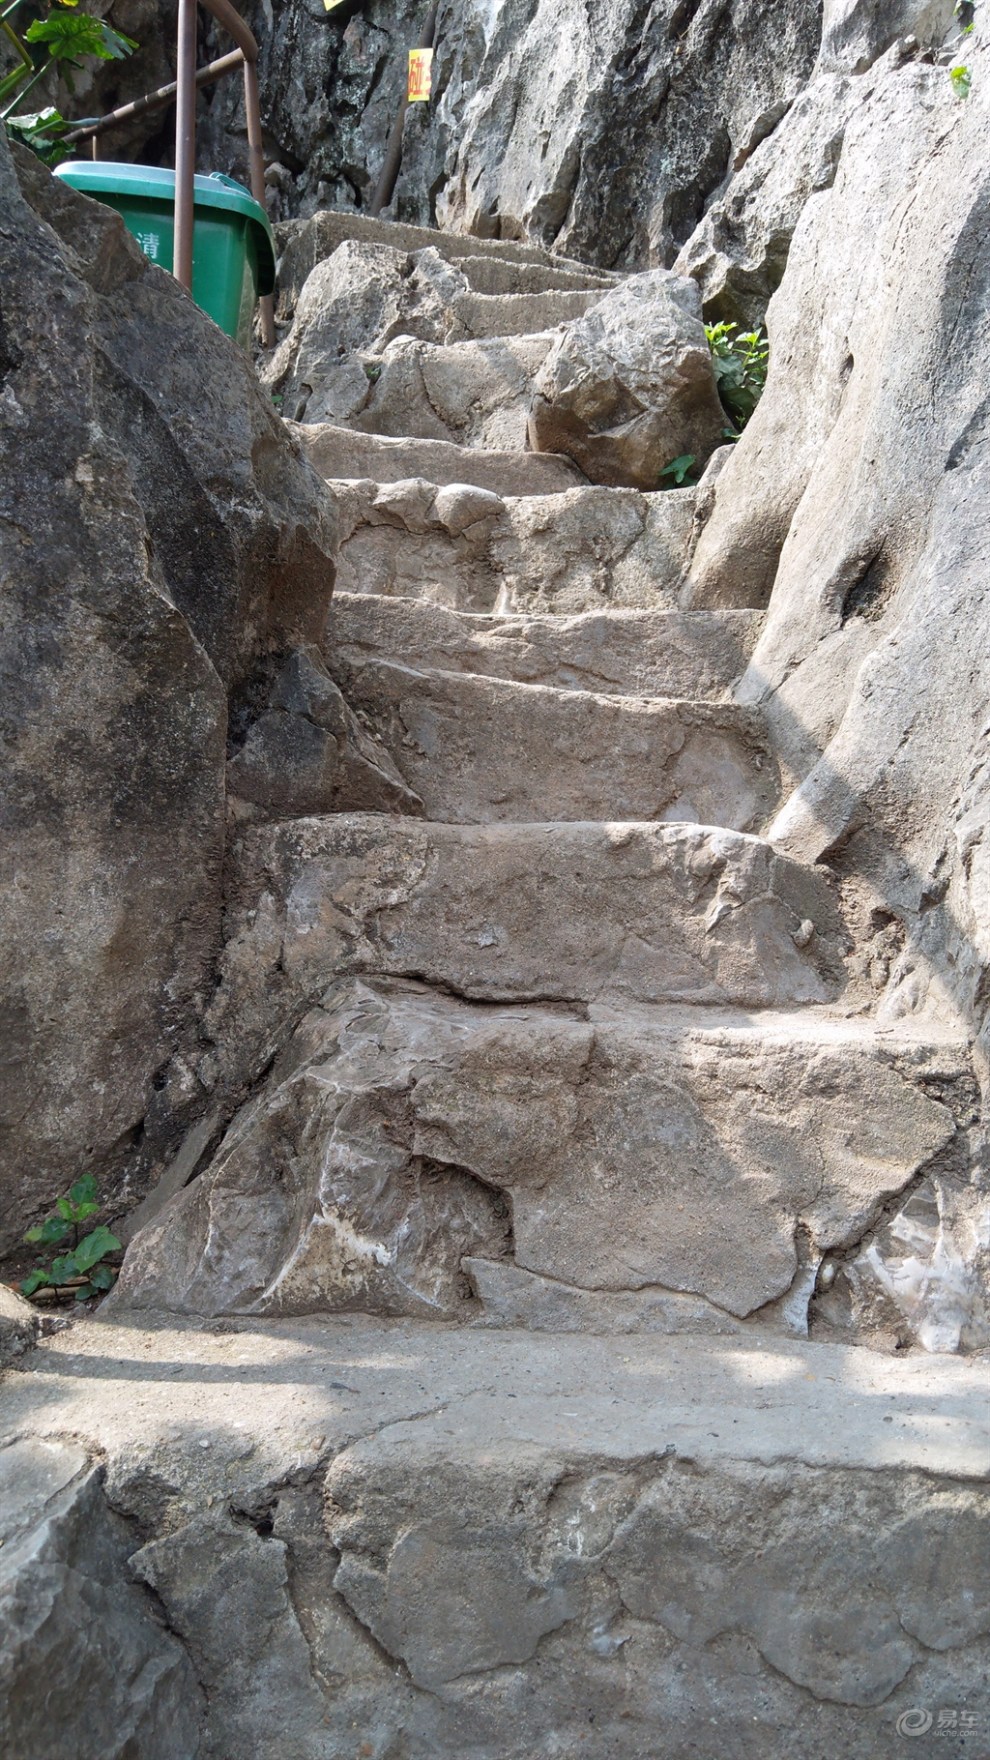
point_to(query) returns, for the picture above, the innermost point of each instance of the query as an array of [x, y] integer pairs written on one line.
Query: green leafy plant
[[82, 1269], [63, 39], [679, 469], [962, 81], [740, 359]]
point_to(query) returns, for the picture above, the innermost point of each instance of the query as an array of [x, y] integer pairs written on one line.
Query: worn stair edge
[[337, 452]]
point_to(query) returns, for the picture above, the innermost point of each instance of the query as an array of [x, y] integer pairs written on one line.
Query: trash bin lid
[[154, 183]]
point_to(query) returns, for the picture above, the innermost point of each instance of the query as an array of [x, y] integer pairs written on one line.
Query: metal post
[[185, 144], [256, 164], [385, 188]]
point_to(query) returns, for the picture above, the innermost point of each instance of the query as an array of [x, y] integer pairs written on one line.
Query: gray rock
[[308, 753], [679, 1153], [630, 387], [564, 755], [571, 550], [18, 1326], [855, 33], [85, 1667], [626, 653], [160, 535]]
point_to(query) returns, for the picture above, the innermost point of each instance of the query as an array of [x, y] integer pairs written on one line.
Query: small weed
[[373, 371], [740, 360], [81, 1270], [680, 469], [962, 81]]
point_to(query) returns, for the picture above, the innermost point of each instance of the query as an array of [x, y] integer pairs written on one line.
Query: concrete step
[[582, 549], [696, 654], [404, 1139], [452, 1545], [479, 749], [491, 265], [338, 452], [573, 913]]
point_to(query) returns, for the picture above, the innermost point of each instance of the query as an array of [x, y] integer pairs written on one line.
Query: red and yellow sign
[[420, 75]]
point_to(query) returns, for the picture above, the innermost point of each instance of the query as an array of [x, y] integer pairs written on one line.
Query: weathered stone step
[[338, 452], [473, 393], [478, 749], [696, 654], [491, 265], [478, 316], [493, 1546], [403, 1137], [580, 550], [567, 912]]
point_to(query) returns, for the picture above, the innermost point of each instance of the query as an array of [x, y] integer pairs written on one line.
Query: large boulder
[[161, 541], [629, 387]]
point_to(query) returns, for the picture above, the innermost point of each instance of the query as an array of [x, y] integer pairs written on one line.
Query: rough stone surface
[[85, 1667], [295, 1480], [574, 550], [636, 1150], [570, 911], [18, 1325], [472, 393], [355, 302], [335, 451], [308, 753], [160, 534], [626, 653], [484, 749], [629, 388]]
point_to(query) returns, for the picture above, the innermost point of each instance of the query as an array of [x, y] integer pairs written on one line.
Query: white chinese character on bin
[[149, 244]]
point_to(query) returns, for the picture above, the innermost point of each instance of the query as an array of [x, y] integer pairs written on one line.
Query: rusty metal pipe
[[157, 100], [385, 187], [185, 144], [256, 165], [230, 20]]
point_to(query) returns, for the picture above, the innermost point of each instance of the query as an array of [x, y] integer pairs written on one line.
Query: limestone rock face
[[80, 1641], [629, 388], [160, 537], [858, 499]]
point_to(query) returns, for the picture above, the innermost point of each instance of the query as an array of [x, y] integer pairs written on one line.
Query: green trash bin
[[233, 246]]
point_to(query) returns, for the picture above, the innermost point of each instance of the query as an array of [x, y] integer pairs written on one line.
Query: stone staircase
[[562, 1047]]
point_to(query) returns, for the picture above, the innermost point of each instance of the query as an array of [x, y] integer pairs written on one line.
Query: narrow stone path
[[462, 1405]]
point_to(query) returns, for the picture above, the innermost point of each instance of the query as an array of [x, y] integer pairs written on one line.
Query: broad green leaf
[[84, 1190], [96, 1246], [66, 1209], [49, 1233], [64, 1268], [66, 38], [103, 1277], [34, 1280]]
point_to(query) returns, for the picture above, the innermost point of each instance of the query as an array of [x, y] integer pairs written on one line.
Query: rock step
[[582, 549], [493, 1546], [338, 452], [473, 393], [573, 913], [490, 265], [481, 749], [619, 1150], [479, 316], [696, 654]]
